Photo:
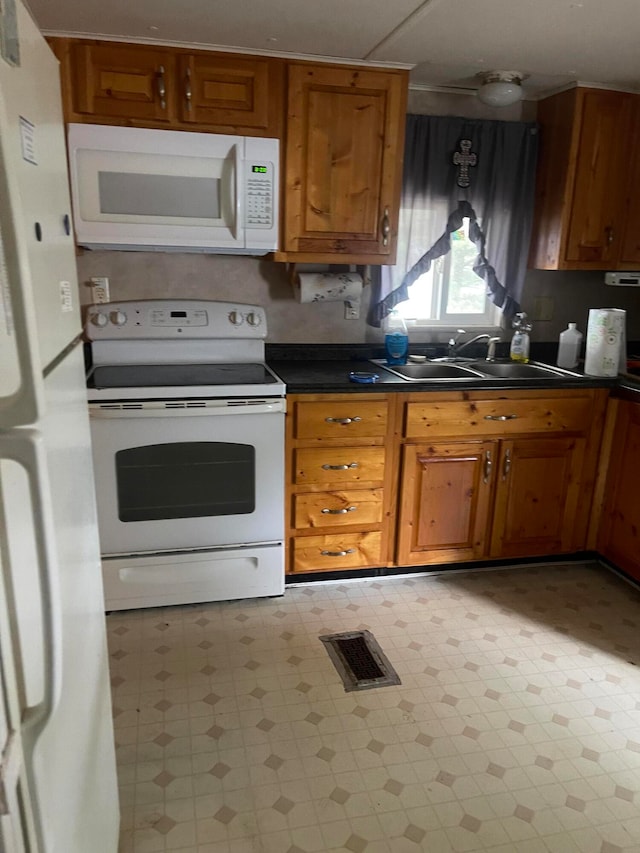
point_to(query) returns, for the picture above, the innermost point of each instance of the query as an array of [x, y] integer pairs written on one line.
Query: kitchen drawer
[[498, 417], [337, 509], [344, 419], [320, 465], [337, 551]]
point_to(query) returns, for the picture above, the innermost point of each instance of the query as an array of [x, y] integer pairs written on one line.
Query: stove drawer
[[338, 509], [328, 465], [337, 551]]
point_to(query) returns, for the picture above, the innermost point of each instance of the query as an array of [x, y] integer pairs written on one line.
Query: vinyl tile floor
[[516, 728]]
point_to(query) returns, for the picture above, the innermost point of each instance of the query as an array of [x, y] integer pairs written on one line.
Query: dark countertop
[[325, 369]]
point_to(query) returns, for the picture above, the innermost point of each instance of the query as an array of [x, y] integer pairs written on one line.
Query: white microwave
[[169, 190]]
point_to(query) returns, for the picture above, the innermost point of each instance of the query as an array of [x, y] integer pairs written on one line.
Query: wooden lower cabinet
[[473, 500], [445, 502], [619, 535], [341, 474], [435, 478], [537, 496]]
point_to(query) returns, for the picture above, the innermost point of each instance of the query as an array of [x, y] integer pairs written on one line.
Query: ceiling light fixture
[[500, 88]]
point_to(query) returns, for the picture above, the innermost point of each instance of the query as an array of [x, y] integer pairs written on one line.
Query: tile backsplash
[[561, 297]]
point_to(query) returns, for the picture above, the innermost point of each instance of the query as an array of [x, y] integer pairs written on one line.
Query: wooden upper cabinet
[[243, 94], [630, 243], [140, 85], [583, 180], [345, 142], [121, 81]]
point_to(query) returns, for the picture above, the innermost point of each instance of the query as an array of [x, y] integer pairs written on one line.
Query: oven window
[[185, 480]]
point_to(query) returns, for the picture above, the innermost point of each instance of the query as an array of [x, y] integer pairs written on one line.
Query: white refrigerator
[[58, 788]]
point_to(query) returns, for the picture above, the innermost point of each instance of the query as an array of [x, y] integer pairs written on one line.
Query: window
[[451, 294]]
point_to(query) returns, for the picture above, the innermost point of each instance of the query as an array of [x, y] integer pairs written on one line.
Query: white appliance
[[188, 445], [622, 279], [58, 788], [172, 190]]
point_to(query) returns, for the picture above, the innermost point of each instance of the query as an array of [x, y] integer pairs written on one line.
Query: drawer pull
[[338, 553], [341, 467], [500, 417], [327, 511], [488, 465], [343, 420]]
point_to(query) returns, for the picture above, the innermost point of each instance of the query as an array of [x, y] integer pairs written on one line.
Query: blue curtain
[[498, 201]]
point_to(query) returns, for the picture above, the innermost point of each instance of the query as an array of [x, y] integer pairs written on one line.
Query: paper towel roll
[[606, 342], [330, 287]]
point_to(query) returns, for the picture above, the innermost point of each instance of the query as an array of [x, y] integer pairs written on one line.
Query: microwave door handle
[[237, 172]]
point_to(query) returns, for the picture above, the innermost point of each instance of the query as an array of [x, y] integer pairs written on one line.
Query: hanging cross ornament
[[463, 159]]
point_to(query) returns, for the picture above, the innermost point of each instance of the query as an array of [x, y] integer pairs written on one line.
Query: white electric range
[[187, 427]]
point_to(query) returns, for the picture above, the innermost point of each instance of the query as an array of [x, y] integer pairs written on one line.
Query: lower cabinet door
[[619, 538], [445, 502], [537, 497], [337, 551]]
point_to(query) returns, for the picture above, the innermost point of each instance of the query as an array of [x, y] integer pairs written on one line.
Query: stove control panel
[[164, 319]]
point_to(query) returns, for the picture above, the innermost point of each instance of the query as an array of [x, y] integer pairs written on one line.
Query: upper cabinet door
[[630, 240], [235, 94], [586, 187], [122, 81], [345, 138], [601, 166]]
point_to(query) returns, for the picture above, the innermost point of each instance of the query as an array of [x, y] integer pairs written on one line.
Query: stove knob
[[254, 319], [118, 318], [99, 320], [236, 318]]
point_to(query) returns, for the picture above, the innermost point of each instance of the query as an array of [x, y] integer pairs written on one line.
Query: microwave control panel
[[259, 195]]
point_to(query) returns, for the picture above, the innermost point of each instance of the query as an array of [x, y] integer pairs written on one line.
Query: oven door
[[173, 476]]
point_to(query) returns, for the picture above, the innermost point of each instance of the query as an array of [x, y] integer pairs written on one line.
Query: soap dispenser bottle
[[396, 339], [520, 342]]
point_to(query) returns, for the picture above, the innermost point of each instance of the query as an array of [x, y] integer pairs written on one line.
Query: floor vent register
[[361, 663]]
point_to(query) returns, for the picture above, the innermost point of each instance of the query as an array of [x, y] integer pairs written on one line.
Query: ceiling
[[446, 42]]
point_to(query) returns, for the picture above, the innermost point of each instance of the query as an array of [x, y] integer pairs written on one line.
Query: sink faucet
[[455, 348]]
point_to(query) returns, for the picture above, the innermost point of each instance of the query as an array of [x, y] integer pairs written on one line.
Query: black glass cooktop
[[166, 375]]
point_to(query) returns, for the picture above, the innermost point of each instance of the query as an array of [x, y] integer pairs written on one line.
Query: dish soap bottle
[[569, 345], [520, 341], [396, 339]]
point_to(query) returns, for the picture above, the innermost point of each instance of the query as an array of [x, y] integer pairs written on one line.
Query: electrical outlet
[[543, 309], [351, 310], [100, 287]]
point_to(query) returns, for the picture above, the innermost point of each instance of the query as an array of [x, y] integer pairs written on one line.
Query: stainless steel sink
[[429, 370], [516, 370], [476, 370]]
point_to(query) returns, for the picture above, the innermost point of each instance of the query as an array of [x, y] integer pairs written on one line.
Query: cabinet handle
[[341, 467], [500, 417], [488, 465], [187, 89], [327, 511], [386, 227], [343, 420], [507, 464], [609, 234], [338, 553], [162, 89]]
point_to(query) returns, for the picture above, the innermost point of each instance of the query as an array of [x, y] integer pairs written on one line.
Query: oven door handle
[[208, 408]]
